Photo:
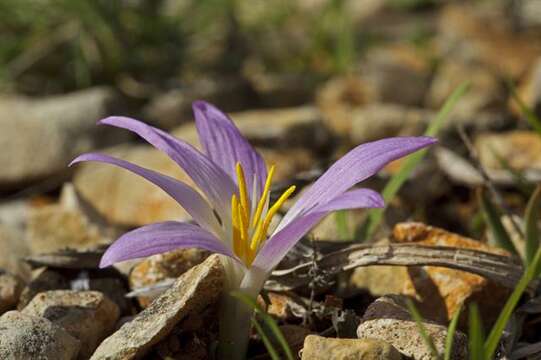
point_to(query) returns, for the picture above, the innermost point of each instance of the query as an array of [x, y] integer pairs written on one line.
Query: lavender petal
[[226, 146], [187, 197], [357, 165], [159, 238], [210, 178]]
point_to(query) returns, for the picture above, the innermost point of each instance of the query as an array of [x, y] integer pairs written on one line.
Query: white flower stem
[[236, 316]]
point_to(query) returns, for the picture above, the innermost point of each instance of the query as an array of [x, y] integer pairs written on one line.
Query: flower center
[[251, 223]]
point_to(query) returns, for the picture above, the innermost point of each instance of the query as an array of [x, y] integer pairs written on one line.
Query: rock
[[320, 348], [377, 121], [43, 279], [41, 136], [10, 290], [388, 320], [299, 127], [521, 150], [127, 199], [88, 316], [53, 228], [478, 34], [283, 306], [529, 91], [172, 108], [164, 266], [14, 249], [485, 94], [191, 293], [375, 84], [440, 291], [25, 337]]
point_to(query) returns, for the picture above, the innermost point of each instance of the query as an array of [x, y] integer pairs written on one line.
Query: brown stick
[[504, 270]]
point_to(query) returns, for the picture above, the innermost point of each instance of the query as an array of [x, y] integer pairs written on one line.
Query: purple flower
[[234, 216]]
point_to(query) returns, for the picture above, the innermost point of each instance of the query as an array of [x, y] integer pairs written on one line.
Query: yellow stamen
[[242, 192], [262, 229], [236, 225], [243, 225], [263, 198]]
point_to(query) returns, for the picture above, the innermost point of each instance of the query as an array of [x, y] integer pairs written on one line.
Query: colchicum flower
[[234, 217]]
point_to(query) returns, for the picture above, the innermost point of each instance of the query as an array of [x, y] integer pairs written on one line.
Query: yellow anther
[[243, 232], [263, 198], [242, 191], [262, 229], [235, 222]]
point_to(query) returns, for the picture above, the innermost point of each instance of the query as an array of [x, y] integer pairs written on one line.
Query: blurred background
[[305, 80]]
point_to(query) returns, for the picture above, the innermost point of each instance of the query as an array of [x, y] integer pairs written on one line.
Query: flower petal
[[159, 238], [226, 146], [187, 197], [353, 199], [209, 177], [278, 245], [357, 165]]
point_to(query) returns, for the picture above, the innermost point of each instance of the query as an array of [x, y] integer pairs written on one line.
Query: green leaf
[[531, 273], [531, 230], [270, 324], [341, 220], [475, 336], [396, 182], [268, 344], [530, 116], [492, 218], [422, 330], [451, 335]]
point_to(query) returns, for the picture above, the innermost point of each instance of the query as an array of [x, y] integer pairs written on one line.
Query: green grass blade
[[451, 335], [531, 229], [475, 336], [341, 221], [269, 322], [495, 334], [494, 223], [530, 116], [422, 330], [396, 182], [266, 341]]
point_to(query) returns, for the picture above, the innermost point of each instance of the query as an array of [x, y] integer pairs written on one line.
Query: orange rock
[[441, 291]]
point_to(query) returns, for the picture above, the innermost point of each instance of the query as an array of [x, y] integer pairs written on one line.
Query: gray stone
[[388, 319], [86, 315], [41, 136], [43, 279], [192, 292], [10, 290], [321, 348], [14, 250], [24, 337]]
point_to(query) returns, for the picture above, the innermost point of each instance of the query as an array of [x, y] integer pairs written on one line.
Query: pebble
[[24, 337], [388, 319], [192, 292], [321, 348], [89, 316]]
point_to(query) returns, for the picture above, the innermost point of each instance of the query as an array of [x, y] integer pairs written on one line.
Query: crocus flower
[[233, 218]]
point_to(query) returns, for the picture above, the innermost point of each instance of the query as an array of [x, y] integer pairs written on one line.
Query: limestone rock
[[43, 279], [88, 316], [14, 249], [440, 291], [25, 337], [320, 348], [53, 227], [41, 136], [164, 266], [520, 149], [388, 320], [10, 290], [192, 292]]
